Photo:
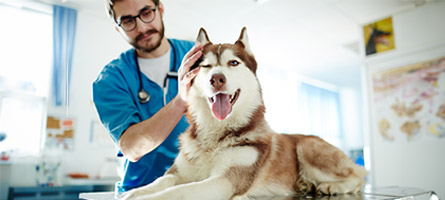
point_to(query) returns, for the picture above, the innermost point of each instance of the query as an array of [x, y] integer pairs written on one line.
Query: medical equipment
[[143, 95]]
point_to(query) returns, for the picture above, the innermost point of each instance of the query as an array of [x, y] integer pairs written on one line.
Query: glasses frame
[[139, 16]]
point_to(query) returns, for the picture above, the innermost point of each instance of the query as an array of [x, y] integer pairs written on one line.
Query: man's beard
[[150, 48]]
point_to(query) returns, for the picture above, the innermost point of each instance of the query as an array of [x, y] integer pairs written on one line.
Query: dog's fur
[[229, 151]]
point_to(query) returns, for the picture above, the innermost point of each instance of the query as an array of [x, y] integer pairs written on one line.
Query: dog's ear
[[202, 37], [244, 41]]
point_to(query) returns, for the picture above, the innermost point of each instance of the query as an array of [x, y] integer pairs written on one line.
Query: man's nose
[[140, 25]]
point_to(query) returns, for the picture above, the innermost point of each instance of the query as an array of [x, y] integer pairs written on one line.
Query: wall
[[419, 36]]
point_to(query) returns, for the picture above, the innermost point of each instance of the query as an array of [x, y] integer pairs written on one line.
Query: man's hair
[[110, 4]]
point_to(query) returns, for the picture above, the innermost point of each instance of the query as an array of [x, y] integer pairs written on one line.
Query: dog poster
[[379, 36]]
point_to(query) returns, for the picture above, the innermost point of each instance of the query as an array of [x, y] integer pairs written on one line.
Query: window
[[25, 69], [301, 105], [320, 113]]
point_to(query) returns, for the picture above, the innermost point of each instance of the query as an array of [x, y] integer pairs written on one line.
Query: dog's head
[[226, 88]]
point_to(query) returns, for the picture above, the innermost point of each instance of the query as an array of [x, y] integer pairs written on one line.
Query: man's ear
[[243, 40], [161, 8], [203, 38]]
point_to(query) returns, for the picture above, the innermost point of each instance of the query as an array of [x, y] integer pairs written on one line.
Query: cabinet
[[54, 193]]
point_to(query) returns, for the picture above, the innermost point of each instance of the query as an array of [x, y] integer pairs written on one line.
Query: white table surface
[[369, 193], [97, 196]]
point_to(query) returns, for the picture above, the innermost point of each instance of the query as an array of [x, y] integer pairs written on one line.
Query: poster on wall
[[378, 36], [59, 133], [409, 101]]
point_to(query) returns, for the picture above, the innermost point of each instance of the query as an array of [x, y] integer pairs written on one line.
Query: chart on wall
[[59, 132], [409, 101]]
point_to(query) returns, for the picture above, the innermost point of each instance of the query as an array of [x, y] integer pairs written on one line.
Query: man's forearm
[[140, 139]]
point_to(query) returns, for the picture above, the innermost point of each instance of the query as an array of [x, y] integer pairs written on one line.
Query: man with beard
[[138, 97]]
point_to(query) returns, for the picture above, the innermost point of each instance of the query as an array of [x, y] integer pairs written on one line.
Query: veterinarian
[[140, 96]]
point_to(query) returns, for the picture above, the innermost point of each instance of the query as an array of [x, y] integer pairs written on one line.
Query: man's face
[[145, 37]]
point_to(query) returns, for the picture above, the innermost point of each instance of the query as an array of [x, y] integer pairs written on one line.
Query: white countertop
[[90, 181]]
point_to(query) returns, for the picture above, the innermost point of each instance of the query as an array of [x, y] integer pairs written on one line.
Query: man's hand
[[140, 139], [186, 75]]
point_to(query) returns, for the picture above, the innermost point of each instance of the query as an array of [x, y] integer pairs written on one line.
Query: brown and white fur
[[229, 151]]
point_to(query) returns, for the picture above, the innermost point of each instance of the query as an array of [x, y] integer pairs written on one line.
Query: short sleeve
[[115, 106]]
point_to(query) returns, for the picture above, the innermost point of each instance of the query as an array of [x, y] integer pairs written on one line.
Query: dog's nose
[[218, 80]]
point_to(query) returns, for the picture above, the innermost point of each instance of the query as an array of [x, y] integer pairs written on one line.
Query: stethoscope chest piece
[[143, 96]]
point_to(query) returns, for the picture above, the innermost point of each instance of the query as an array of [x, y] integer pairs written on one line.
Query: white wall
[[419, 36]]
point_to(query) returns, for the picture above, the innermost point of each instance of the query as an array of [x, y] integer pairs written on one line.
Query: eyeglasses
[[147, 15]]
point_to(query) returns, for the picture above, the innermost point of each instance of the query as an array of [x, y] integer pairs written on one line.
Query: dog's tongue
[[221, 107]]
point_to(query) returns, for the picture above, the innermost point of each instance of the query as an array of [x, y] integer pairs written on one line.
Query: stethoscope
[[143, 95]]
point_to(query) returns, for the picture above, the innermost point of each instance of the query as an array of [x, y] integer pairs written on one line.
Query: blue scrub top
[[115, 97]]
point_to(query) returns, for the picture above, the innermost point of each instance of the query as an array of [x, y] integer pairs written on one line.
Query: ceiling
[[314, 38]]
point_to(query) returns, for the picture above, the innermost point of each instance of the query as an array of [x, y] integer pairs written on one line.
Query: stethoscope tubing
[[144, 96]]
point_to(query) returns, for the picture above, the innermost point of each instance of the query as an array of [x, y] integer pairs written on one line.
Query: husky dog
[[229, 151]]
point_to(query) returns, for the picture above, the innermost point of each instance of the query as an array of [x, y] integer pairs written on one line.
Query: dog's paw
[[132, 194], [330, 188], [304, 187], [334, 188], [125, 196], [138, 192], [128, 195]]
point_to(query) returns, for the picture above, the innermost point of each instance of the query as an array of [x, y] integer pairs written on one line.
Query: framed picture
[[378, 36]]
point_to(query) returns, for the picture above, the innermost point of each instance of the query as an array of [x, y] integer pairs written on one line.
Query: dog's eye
[[233, 63], [206, 66]]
